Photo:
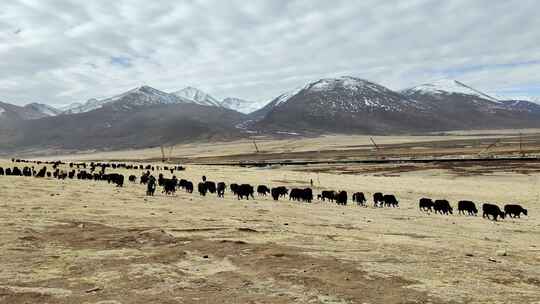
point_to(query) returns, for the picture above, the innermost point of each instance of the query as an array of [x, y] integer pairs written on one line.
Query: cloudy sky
[[60, 51]]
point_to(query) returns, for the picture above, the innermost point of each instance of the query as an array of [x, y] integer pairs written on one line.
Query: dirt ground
[[90, 242]]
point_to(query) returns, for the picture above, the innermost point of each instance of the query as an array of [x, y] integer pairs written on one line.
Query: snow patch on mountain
[[89, 105], [194, 95], [43, 108], [283, 98], [70, 106], [143, 96], [522, 105], [345, 82], [521, 98], [2, 111], [140, 96], [353, 95], [240, 105], [448, 86], [345, 95]]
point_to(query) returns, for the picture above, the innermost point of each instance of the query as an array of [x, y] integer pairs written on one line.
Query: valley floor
[[90, 242], [471, 144]]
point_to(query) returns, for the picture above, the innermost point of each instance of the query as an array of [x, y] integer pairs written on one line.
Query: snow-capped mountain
[[12, 113], [344, 104], [141, 96], [146, 117], [449, 97], [353, 105], [137, 97], [69, 107], [89, 105], [460, 106], [445, 87], [240, 105], [194, 95], [346, 94], [43, 108], [148, 96], [522, 105]]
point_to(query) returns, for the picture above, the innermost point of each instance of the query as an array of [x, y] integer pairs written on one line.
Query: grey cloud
[[258, 49]]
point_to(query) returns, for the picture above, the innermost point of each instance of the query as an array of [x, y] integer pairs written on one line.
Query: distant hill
[[342, 105], [143, 117], [352, 105], [146, 117], [11, 113]]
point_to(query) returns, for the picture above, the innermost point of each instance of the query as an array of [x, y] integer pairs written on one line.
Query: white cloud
[[70, 51]]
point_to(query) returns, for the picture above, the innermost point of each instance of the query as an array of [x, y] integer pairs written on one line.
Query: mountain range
[[151, 96], [145, 116]]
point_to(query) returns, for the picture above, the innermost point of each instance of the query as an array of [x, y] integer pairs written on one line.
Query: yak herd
[[469, 208], [96, 171]]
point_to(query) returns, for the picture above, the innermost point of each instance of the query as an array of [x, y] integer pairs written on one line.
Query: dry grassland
[[90, 242], [332, 147]]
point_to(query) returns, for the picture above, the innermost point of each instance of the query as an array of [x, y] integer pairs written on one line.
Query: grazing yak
[[390, 200], [426, 204], [442, 207], [327, 195], [295, 194], [27, 172], [234, 188], [278, 192], [467, 206], [186, 185], [144, 178], [221, 187], [378, 200], [305, 195], [341, 198], [201, 187], [359, 198], [132, 178], [493, 210], [16, 171], [1, 171], [42, 172], [308, 195], [245, 191], [115, 178], [169, 185], [151, 186], [189, 187], [262, 190], [514, 210], [210, 186]]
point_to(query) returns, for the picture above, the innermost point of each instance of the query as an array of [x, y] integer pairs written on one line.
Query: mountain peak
[[448, 86], [343, 82], [240, 105], [139, 96], [146, 89], [43, 109], [342, 96], [192, 94]]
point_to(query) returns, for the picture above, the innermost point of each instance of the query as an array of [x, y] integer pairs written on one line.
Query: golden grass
[[62, 238]]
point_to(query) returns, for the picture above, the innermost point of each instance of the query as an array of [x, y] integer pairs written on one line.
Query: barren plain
[[75, 241]]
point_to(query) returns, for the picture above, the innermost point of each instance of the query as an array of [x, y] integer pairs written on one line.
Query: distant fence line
[[369, 161]]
